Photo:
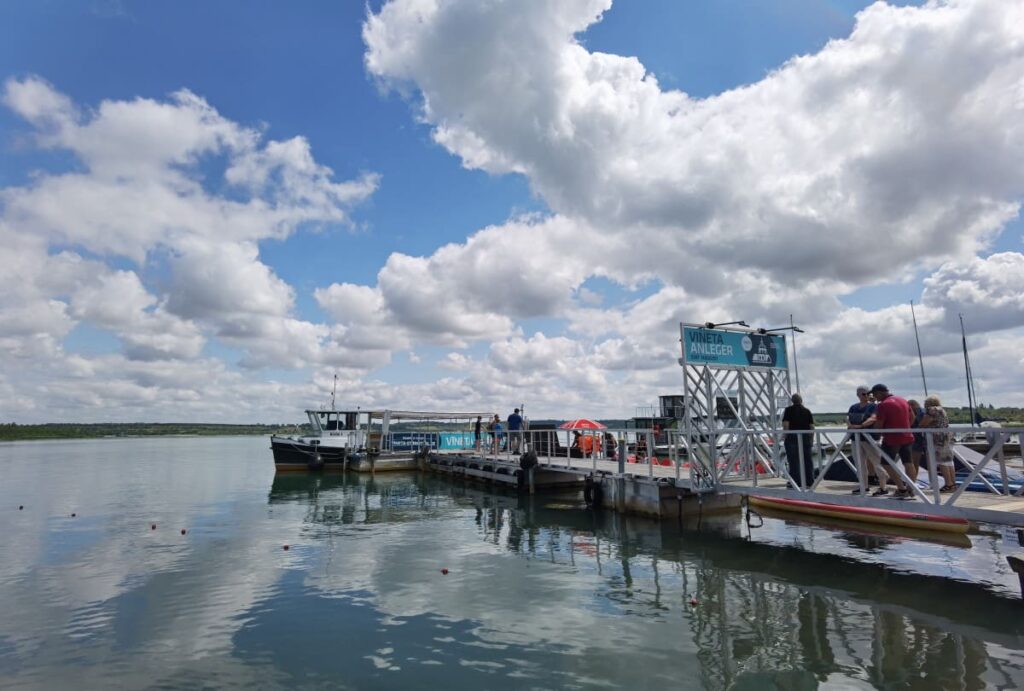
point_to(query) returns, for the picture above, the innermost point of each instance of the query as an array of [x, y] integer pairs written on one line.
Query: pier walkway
[[748, 464]]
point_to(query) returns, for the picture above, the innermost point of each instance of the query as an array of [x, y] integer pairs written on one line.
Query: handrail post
[[858, 459], [1000, 439], [933, 474], [674, 451], [650, 454], [800, 457]]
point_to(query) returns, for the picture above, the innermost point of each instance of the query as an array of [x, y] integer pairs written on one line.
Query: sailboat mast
[[967, 370], [917, 338], [334, 390]]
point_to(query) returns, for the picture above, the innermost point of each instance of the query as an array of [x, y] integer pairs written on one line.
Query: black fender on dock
[[592, 492], [528, 460]]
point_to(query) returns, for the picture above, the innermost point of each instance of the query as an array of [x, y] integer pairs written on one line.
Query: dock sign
[[703, 346]]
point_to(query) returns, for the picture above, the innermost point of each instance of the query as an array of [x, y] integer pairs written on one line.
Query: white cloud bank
[[141, 196], [890, 153]]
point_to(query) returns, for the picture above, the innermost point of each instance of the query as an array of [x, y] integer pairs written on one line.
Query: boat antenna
[[920, 359], [967, 369], [334, 390]]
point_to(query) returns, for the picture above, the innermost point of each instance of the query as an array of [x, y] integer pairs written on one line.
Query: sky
[[210, 210]]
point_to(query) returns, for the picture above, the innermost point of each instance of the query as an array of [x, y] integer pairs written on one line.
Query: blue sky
[[487, 245]]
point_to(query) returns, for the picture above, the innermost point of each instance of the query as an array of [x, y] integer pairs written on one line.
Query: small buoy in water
[[183, 531], [693, 601], [21, 507], [444, 571], [152, 526], [73, 515], [285, 548]]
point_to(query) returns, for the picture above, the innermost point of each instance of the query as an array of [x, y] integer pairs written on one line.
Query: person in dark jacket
[[798, 446]]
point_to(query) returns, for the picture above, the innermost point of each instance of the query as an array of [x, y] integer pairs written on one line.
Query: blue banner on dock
[[457, 440], [413, 441], [733, 348]]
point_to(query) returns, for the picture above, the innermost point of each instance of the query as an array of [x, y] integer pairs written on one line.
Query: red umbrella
[[581, 423]]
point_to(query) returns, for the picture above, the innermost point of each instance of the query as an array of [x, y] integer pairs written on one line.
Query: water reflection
[[540, 592], [765, 615]]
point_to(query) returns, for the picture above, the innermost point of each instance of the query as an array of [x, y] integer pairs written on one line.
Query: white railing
[[749, 456], [734, 455]]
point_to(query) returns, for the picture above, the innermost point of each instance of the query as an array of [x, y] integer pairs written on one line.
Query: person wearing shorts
[[862, 416], [893, 413], [942, 441]]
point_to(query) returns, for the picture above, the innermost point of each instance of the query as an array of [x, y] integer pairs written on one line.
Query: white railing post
[[649, 436], [933, 471]]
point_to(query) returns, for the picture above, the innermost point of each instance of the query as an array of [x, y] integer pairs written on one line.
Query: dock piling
[[1017, 564]]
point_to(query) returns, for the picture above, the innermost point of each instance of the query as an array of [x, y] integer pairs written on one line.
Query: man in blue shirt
[[515, 431], [862, 416]]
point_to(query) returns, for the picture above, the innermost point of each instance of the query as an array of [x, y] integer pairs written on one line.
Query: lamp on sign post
[[795, 330], [779, 328], [713, 325]]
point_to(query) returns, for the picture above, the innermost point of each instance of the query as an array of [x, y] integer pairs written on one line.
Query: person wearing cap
[[798, 446], [861, 415], [893, 413], [497, 432]]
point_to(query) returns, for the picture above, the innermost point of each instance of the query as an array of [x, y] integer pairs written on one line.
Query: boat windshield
[[326, 421]]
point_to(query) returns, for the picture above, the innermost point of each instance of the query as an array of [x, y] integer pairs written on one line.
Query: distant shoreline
[[113, 430]]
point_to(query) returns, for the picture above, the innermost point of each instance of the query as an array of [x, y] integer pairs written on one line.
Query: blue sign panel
[[457, 440], [413, 441], [733, 349]]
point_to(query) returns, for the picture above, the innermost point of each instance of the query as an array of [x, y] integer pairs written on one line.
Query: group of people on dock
[[878, 409], [514, 425]]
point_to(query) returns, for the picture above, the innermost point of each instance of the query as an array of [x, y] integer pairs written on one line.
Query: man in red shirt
[[893, 412]]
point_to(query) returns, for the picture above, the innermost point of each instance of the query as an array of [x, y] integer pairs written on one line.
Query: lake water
[[539, 593]]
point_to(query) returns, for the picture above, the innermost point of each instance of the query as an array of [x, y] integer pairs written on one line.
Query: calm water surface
[[540, 593]]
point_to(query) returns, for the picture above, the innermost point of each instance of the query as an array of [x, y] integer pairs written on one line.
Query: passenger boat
[[865, 514], [334, 436], [368, 439]]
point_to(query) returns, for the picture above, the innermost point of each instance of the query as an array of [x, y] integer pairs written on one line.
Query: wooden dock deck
[[560, 472]]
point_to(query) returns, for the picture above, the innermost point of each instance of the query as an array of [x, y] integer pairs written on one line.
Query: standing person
[[935, 417], [476, 431], [861, 415], [497, 431], [797, 417], [893, 412], [917, 448], [515, 431], [611, 447], [490, 430], [576, 448]]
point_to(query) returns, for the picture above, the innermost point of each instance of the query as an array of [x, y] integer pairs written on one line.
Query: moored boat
[[370, 439], [334, 436]]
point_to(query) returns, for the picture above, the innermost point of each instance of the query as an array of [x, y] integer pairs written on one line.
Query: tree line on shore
[[15, 432]]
